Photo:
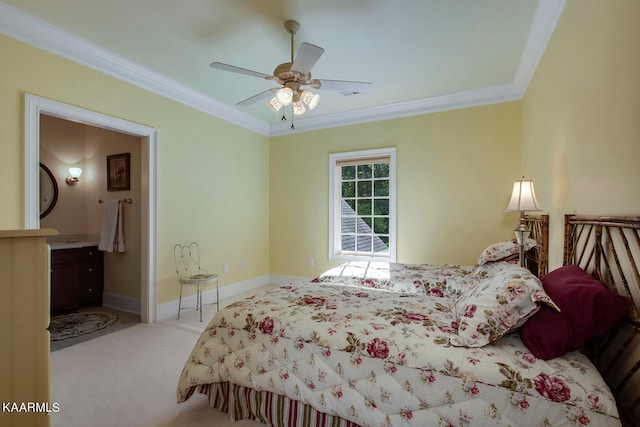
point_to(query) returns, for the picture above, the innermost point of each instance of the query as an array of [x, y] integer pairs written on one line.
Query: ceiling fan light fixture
[[298, 108], [310, 98], [274, 104], [284, 96]]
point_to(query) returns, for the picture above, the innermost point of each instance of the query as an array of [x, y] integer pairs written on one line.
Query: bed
[[348, 354]]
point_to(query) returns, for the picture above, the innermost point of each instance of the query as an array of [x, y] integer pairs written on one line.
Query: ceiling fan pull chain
[[292, 126]]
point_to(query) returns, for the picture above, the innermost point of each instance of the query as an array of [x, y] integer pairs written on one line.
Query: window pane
[[348, 225], [364, 243], [381, 206], [366, 224], [381, 170], [381, 245], [364, 171], [364, 188], [348, 172], [351, 203], [364, 207], [381, 225], [381, 188], [348, 243], [349, 189]]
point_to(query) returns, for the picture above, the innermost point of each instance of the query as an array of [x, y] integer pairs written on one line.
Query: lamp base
[[522, 234]]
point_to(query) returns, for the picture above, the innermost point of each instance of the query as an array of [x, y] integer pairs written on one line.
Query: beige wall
[[581, 115], [455, 172], [212, 175]]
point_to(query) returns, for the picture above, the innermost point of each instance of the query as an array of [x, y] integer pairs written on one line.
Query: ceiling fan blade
[[255, 98], [344, 87], [234, 69], [306, 58]]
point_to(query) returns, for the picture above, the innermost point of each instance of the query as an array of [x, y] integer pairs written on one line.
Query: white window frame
[[335, 193]]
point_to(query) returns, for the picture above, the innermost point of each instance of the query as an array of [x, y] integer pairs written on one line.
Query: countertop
[[72, 241]]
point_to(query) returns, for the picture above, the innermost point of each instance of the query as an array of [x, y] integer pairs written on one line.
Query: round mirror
[[48, 191]]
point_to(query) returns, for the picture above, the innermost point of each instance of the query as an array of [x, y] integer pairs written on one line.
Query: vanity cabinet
[[76, 278]]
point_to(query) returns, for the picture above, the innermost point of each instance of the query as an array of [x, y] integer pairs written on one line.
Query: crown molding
[[28, 29], [544, 22], [472, 98]]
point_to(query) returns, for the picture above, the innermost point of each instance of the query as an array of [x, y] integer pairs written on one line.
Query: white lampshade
[[284, 96], [523, 197], [75, 172], [311, 99], [274, 104], [298, 108]]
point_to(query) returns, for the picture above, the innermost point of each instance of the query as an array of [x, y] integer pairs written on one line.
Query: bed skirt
[[242, 403]]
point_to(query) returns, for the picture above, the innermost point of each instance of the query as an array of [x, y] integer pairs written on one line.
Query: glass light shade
[[298, 108], [311, 99], [522, 236], [75, 172], [274, 104], [523, 197], [284, 96]]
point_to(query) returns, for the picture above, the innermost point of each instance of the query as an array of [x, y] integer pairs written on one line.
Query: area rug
[[76, 324]]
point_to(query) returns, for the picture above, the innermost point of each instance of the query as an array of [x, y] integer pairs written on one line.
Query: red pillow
[[588, 310]]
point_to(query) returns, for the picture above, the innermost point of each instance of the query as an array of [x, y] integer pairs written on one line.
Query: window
[[362, 211]]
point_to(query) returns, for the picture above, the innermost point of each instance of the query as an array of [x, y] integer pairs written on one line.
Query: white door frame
[[34, 106]]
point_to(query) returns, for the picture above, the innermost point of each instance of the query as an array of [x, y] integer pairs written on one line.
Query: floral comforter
[[381, 358]]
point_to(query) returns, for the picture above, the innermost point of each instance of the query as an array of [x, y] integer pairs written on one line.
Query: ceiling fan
[[293, 77]]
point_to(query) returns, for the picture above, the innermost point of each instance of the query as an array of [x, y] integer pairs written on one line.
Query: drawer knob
[[91, 269]]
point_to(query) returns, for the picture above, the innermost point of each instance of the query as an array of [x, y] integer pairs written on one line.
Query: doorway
[[34, 107]]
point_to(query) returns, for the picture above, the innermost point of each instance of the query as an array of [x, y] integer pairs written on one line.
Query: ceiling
[[420, 55]]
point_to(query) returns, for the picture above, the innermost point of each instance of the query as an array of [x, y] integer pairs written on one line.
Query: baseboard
[[121, 302], [170, 309]]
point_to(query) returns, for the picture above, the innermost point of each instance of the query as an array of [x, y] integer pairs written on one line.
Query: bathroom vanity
[[77, 274]]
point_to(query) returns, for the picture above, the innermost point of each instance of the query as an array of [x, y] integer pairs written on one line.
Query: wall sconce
[[74, 176]]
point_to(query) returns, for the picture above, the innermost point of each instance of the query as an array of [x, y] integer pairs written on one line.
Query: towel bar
[[128, 201]]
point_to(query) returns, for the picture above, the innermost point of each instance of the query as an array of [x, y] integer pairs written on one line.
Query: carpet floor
[[128, 378]]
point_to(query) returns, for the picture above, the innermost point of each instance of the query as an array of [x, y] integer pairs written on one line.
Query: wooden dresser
[[24, 318]]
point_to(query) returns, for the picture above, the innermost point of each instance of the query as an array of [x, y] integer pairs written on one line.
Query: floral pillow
[[503, 251], [497, 306]]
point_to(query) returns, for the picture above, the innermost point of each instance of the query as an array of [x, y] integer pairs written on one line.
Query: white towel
[[112, 236]]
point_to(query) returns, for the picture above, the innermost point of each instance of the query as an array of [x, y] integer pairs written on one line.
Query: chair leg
[[217, 297], [180, 303], [200, 301]]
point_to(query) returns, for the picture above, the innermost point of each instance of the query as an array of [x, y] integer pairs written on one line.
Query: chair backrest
[[187, 259]]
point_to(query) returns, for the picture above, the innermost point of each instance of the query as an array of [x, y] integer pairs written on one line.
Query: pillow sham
[[503, 251], [485, 271], [497, 306], [589, 310]]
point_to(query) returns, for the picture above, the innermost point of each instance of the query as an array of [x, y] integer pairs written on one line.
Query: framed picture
[[118, 172]]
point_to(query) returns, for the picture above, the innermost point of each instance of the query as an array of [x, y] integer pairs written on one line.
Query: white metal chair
[[187, 259]]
